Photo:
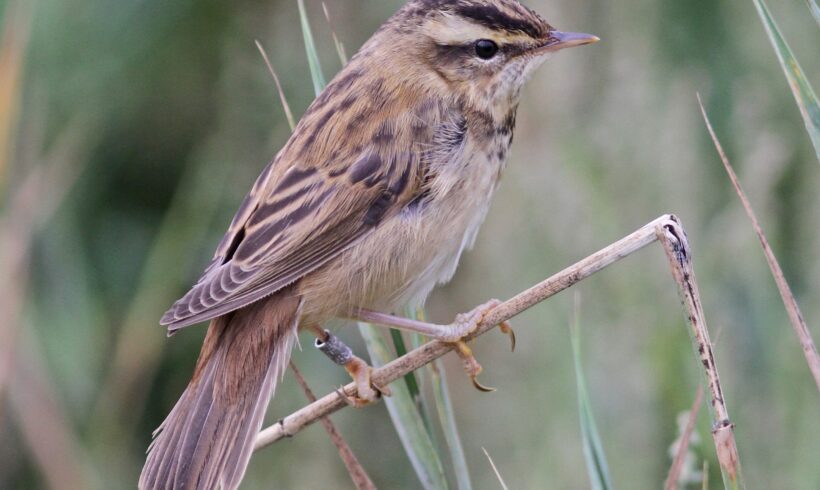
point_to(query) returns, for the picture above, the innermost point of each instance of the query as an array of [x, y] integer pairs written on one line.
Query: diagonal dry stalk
[[354, 468], [795, 315], [667, 230]]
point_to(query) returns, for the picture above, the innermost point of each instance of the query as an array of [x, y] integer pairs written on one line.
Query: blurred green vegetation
[[178, 114]]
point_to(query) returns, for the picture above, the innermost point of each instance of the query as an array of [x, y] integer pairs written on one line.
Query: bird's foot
[[456, 333], [367, 392], [467, 323], [463, 326]]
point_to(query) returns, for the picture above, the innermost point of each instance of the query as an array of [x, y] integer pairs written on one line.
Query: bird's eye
[[485, 49]]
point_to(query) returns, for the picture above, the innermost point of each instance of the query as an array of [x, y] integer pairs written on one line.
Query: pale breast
[[453, 221], [407, 255]]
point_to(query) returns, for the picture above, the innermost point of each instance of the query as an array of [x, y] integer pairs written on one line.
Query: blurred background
[[130, 131]]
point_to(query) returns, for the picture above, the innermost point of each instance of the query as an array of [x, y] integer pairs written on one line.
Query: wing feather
[[309, 218], [356, 158]]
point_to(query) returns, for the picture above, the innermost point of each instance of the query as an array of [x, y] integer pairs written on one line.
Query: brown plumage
[[370, 204], [207, 439]]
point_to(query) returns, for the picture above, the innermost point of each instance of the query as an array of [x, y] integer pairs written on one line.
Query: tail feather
[[207, 440]]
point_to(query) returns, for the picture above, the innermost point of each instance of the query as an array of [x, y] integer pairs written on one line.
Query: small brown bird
[[370, 204]]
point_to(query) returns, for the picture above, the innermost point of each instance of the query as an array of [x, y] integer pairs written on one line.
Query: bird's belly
[[449, 227], [401, 261]]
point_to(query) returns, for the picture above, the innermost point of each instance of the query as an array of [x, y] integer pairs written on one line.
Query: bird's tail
[[207, 440]]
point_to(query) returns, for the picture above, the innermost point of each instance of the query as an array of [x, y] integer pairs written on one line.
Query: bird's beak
[[559, 40]]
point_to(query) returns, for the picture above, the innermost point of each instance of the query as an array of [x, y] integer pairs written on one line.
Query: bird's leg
[[359, 370], [455, 333], [464, 324]]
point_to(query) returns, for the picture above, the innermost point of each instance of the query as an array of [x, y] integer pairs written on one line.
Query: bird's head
[[484, 49]]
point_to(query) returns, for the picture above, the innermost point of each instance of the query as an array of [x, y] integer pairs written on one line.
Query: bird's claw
[[471, 365], [507, 329], [464, 325], [481, 387]]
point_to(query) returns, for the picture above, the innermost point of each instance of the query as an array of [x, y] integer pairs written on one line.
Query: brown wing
[[310, 215]]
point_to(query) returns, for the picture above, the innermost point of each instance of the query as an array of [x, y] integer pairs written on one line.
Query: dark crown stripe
[[495, 19]]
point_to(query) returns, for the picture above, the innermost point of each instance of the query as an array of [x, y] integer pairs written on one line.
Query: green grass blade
[[406, 417], [413, 384], [409, 378], [412, 381], [447, 419], [425, 405], [593, 449], [444, 409], [800, 86], [310, 47], [815, 10]]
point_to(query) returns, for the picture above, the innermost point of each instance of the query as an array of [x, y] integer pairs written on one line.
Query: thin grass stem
[[795, 315], [495, 470], [594, 455], [354, 468], [282, 98]]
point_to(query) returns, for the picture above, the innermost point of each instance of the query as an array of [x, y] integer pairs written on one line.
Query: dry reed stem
[[354, 468], [666, 229], [675, 244], [793, 310], [683, 445]]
